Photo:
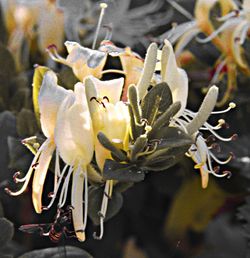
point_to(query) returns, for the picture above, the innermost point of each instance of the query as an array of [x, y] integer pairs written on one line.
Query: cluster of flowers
[[232, 27], [116, 130]]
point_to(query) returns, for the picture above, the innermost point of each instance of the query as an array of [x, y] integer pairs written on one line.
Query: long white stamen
[[235, 13], [223, 27], [57, 188], [180, 9], [220, 161], [64, 191], [244, 33], [85, 200], [103, 210], [103, 7], [230, 106], [217, 72]]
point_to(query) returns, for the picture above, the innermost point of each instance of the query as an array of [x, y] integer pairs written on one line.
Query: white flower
[[50, 98], [191, 122]]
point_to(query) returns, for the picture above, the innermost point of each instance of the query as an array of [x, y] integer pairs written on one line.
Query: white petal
[[175, 77], [50, 97], [111, 88]]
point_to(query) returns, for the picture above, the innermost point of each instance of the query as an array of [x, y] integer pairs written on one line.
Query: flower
[[50, 97], [22, 18], [85, 61], [190, 122], [231, 54], [110, 116], [75, 144]]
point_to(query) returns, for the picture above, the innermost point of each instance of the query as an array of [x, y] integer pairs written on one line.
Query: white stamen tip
[[232, 105], [103, 5], [221, 121]]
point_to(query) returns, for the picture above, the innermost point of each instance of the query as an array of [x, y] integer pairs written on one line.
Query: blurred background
[[168, 215]]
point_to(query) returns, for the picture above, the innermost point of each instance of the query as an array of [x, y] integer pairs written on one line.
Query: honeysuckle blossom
[[50, 97], [74, 139], [110, 116], [191, 122], [85, 61]]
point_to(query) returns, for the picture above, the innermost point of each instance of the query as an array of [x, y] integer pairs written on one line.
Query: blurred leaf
[[224, 238], [7, 128], [3, 30], [7, 231], [20, 99], [7, 63], [131, 250], [66, 78], [20, 157], [1, 210], [95, 202], [193, 208], [122, 172], [37, 82], [157, 100], [244, 216], [53, 252], [26, 123]]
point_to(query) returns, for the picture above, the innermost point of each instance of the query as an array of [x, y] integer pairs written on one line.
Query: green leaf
[[26, 123], [136, 130], [95, 202], [157, 101], [20, 99], [106, 143], [122, 172], [56, 252], [7, 63], [161, 164], [138, 147], [164, 119], [3, 30], [37, 82], [134, 102], [7, 231]]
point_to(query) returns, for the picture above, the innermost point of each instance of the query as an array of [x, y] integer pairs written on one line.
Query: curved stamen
[[57, 188], [64, 191], [234, 13], [221, 162], [230, 106], [223, 27]]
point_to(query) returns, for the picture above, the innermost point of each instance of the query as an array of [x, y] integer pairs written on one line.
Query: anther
[[7, 190], [227, 173], [234, 137], [232, 105], [216, 147], [15, 176]]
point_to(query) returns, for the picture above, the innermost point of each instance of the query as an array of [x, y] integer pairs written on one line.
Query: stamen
[[103, 6], [52, 51], [64, 191], [230, 106], [103, 210], [57, 188], [180, 9], [85, 200], [220, 161], [234, 13]]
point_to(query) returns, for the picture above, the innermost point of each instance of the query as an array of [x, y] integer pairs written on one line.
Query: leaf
[[3, 30], [7, 128], [106, 143], [20, 157], [95, 202], [37, 82], [193, 208], [164, 119], [66, 78], [26, 123], [158, 99], [122, 172], [7, 63], [53, 252], [7, 231]]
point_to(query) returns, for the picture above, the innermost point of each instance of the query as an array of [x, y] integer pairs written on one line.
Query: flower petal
[[50, 97], [40, 175], [111, 88], [175, 77]]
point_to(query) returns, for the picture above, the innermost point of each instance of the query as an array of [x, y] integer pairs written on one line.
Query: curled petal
[[40, 175]]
